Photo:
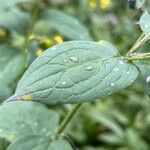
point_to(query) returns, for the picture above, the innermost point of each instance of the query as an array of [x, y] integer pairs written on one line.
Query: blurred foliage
[[118, 122]]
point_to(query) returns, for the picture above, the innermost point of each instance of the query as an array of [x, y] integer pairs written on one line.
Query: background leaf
[[73, 72], [11, 63], [14, 20], [144, 67], [25, 118], [145, 23], [65, 24]]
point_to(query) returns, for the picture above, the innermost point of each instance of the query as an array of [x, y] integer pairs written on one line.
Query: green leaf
[[65, 24], [140, 4], [144, 67], [11, 63], [36, 142], [75, 71], [26, 118], [14, 20], [145, 23], [10, 4]]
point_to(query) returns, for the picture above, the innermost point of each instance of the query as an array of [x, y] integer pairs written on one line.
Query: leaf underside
[[75, 71]]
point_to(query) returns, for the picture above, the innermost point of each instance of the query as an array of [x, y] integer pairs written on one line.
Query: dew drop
[[116, 69], [128, 72], [74, 59], [121, 62], [63, 83], [146, 26], [65, 61], [112, 84], [148, 79], [131, 81], [53, 48], [89, 68]]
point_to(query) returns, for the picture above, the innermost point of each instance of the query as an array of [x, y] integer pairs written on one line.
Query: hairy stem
[[66, 120], [141, 40]]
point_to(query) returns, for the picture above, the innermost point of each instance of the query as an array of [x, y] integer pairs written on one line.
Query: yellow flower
[[92, 4], [105, 4], [48, 43], [3, 34], [39, 52], [58, 39]]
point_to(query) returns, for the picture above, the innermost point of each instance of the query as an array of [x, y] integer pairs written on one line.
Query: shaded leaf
[[25, 118], [36, 142], [144, 67], [111, 139], [11, 63], [14, 20], [145, 23], [65, 24]]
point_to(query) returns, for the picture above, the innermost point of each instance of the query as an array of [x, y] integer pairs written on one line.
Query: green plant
[[73, 72]]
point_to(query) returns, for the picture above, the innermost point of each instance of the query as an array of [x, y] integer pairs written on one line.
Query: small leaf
[[65, 24], [25, 118], [145, 23], [75, 71], [144, 67], [140, 3], [39, 143]]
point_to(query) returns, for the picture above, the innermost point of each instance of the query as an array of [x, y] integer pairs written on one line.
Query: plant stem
[[66, 120], [141, 40], [138, 56], [28, 39]]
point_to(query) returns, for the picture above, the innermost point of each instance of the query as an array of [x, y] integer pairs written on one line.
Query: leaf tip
[[16, 98]]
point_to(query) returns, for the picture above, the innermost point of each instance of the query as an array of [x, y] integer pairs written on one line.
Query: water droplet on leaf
[[65, 61], [74, 59], [63, 83], [148, 79], [116, 69], [112, 84], [89, 68], [121, 62], [146, 26]]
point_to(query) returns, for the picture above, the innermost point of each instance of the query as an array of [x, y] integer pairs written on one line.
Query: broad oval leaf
[[39, 143], [26, 118], [65, 24], [145, 23], [75, 71]]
